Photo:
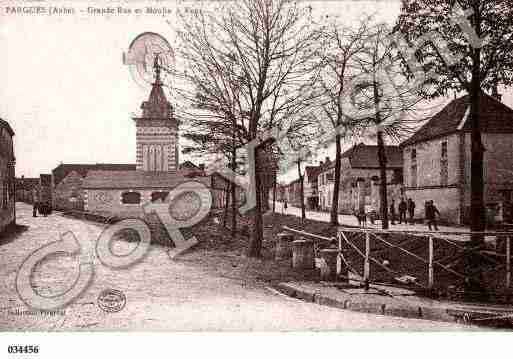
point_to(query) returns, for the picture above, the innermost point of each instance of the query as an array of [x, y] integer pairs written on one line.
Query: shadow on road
[[12, 232]]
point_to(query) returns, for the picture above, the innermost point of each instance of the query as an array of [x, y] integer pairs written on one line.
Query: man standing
[[411, 209], [431, 212], [34, 202], [284, 208], [402, 211], [392, 212]]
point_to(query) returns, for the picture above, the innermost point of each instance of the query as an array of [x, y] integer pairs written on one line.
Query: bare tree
[[341, 45], [252, 60], [381, 99]]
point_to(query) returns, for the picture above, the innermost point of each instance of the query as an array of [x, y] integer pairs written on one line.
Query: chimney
[[327, 159], [201, 166]]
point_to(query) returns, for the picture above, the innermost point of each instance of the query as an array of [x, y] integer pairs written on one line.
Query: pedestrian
[[402, 211], [392, 212], [34, 209], [431, 213], [285, 207], [411, 209]]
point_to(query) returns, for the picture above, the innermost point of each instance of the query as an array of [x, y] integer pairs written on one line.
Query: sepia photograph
[[255, 166]]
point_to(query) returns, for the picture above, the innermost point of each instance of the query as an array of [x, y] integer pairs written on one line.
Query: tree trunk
[[336, 187], [255, 245], [226, 201], [302, 191], [274, 196], [477, 213], [233, 194], [382, 158], [477, 209]]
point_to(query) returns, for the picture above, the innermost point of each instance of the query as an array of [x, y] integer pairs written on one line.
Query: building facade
[[359, 179], [25, 188], [67, 182], [7, 176], [437, 161]]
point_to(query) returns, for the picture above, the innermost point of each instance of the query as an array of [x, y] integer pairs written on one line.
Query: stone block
[[303, 254], [283, 248]]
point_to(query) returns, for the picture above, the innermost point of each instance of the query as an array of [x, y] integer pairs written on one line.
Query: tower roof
[[157, 105]]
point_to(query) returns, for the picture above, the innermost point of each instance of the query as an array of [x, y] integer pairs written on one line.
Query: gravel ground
[[211, 287]]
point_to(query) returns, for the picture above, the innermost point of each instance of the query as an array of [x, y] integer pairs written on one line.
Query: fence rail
[[360, 241]]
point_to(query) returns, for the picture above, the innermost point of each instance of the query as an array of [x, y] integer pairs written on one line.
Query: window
[[413, 168], [444, 149], [131, 198], [444, 173], [397, 176], [330, 176], [156, 196]]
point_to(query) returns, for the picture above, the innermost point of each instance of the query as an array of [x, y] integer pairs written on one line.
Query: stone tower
[[157, 131]]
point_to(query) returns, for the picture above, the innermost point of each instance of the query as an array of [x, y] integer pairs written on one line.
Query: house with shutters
[[437, 160]]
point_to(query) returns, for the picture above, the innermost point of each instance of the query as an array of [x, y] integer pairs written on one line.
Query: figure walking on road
[[392, 212], [284, 208], [431, 213], [402, 211], [411, 210], [34, 209]]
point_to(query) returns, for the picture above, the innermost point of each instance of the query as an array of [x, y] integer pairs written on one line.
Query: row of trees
[[254, 65]]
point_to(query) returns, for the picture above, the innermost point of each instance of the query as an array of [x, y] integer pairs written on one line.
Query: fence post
[[430, 265], [366, 264], [508, 262]]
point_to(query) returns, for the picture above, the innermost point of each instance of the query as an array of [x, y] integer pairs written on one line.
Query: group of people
[[43, 209], [409, 206]]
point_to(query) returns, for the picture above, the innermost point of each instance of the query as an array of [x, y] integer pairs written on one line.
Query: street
[[351, 220], [161, 294]]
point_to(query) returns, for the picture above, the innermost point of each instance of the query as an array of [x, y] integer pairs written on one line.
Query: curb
[[402, 310]]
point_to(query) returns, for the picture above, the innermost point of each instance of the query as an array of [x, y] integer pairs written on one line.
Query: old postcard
[[255, 165]]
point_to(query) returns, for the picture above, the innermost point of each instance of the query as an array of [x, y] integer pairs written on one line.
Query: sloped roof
[[312, 172], [495, 117], [5, 124], [366, 156], [61, 171], [137, 180]]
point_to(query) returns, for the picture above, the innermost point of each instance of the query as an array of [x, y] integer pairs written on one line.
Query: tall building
[[124, 192], [157, 132]]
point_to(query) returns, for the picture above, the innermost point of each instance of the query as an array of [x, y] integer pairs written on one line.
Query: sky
[[64, 88]]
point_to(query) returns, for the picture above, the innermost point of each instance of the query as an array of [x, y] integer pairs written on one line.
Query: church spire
[[157, 105]]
